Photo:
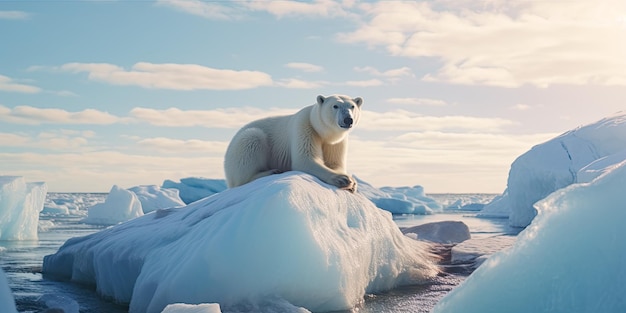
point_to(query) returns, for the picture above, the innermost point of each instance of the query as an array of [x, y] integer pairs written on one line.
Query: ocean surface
[[22, 260]]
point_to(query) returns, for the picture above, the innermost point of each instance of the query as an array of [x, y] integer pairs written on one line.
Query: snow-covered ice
[[570, 259], [20, 204], [153, 197], [7, 303], [556, 163], [52, 208], [119, 206], [192, 308], [399, 200], [497, 208], [286, 236], [192, 189]]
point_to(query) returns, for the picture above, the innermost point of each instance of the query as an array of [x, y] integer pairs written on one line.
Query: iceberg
[[119, 206], [20, 204], [7, 303], [399, 200], [556, 163], [192, 308], [154, 197], [570, 259], [287, 237], [195, 188]]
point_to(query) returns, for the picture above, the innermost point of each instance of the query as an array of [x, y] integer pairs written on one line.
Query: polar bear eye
[[335, 106], [352, 107]]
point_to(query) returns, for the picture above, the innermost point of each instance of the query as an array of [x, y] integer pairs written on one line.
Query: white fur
[[314, 140]]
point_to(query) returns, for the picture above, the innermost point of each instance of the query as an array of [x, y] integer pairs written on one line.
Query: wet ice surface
[[22, 263]]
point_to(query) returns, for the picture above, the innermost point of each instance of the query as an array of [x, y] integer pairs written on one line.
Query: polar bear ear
[[358, 101], [320, 99]]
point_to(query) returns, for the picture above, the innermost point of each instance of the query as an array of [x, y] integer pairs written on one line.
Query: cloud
[[177, 146], [434, 159], [217, 118], [402, 120], [364, 83], [417, 101], [305, 67], [13, 15], [35, 116], [317, 8], [62, 140], [294, 83], [506, 44], [8, 84], [521, 107], [171, 76], [236, 10], [209, 10], [97, 171], [393, 73]]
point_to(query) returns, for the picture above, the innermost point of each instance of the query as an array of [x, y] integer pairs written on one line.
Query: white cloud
[[172, 76], [97, 171], [434, 160], [521, 107], [8, 84], [288, 8], [217, 118], [392, 73], [306, 67], [402, 120], [505, 44], [13, 15], [209, 10], [14, 140], [63, 140], [178, 146], [294, 83], [235, 10], [417, 101], [35, 116], [365, 83]]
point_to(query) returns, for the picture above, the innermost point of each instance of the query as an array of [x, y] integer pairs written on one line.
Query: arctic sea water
[[22, 260]]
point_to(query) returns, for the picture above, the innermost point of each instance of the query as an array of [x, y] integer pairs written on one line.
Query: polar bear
[[314, 140]]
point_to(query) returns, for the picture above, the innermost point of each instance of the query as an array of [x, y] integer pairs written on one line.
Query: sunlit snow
[[570, 259], [556, 163], [286, 237]]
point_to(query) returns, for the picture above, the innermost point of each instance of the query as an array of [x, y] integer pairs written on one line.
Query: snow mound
[[192, 308], [52, 208], [497, 208], [7, 303], [399, 200], [556, 163], [153, 197], [570, 259], [286, 236], [20, 204], [195, 188], [119, 206]]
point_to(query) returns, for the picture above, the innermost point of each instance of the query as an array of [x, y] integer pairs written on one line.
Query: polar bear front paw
[[344, 182]]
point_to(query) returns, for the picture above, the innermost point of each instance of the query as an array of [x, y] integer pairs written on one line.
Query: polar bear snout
[[347, 122]]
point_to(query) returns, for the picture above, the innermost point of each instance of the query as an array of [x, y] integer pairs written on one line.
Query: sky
[[101, 93]]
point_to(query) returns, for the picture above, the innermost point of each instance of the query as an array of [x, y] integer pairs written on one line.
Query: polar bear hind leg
[[247, 157]]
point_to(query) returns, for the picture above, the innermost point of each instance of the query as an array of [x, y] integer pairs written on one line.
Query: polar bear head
[[334, 115]]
